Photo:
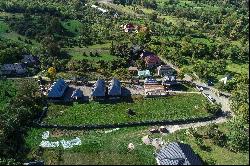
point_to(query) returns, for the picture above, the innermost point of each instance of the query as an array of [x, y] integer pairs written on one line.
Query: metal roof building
[[115, 88], [16, 68], [144, 73], [30, 59], [99, 89], [165, 70], [177, 153]]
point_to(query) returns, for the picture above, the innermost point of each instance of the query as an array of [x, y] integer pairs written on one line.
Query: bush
[[238, 138], [214, 109], [217, 136], [210, 161]]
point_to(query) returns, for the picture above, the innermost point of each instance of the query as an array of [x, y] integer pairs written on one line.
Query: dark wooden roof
[[177, 153]]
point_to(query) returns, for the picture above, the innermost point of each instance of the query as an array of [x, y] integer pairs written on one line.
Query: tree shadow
[[122, 99], [178, 87]]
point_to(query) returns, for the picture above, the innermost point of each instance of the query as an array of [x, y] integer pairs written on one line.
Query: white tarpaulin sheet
[[48, 144], [45, 135], [65, 144], [110, 131], [71, 143]]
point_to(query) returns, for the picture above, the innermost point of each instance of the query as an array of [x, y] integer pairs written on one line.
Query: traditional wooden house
[[177, 153], [114, 89], [13, 69], [99, 90], [150, 59], [57, 90]]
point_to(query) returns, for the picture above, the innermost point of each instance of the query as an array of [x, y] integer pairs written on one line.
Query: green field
[[169, 108], [102, 49]]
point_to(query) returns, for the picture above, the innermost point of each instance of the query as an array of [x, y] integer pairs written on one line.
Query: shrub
[[214, 109], [238, 139]]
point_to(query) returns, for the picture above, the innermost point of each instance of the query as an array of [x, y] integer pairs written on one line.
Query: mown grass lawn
[[168, 108], [99, 148]]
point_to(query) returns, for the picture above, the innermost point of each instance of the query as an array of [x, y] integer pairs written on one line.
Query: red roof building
[[152, 60]]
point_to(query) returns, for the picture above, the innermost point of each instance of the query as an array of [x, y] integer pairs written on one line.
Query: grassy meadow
[[169, 108]]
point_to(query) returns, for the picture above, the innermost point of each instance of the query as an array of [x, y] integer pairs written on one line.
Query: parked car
[[210, 83], [199, 88]]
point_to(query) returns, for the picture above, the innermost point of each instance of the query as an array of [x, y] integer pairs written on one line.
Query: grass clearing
[[102, 49], [97, 147], [238, 68], [3, 27], [73, 26], [15, 37], [169, 108]]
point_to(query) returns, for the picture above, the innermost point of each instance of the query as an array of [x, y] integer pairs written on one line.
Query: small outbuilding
[[77, 94], [30, 60], [144, 73], [165, 70], [133, 70]]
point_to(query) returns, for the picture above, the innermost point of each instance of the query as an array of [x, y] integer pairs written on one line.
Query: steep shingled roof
[[57, 89], [77, 94], [115, 88], [99, 89], [177, 153]]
